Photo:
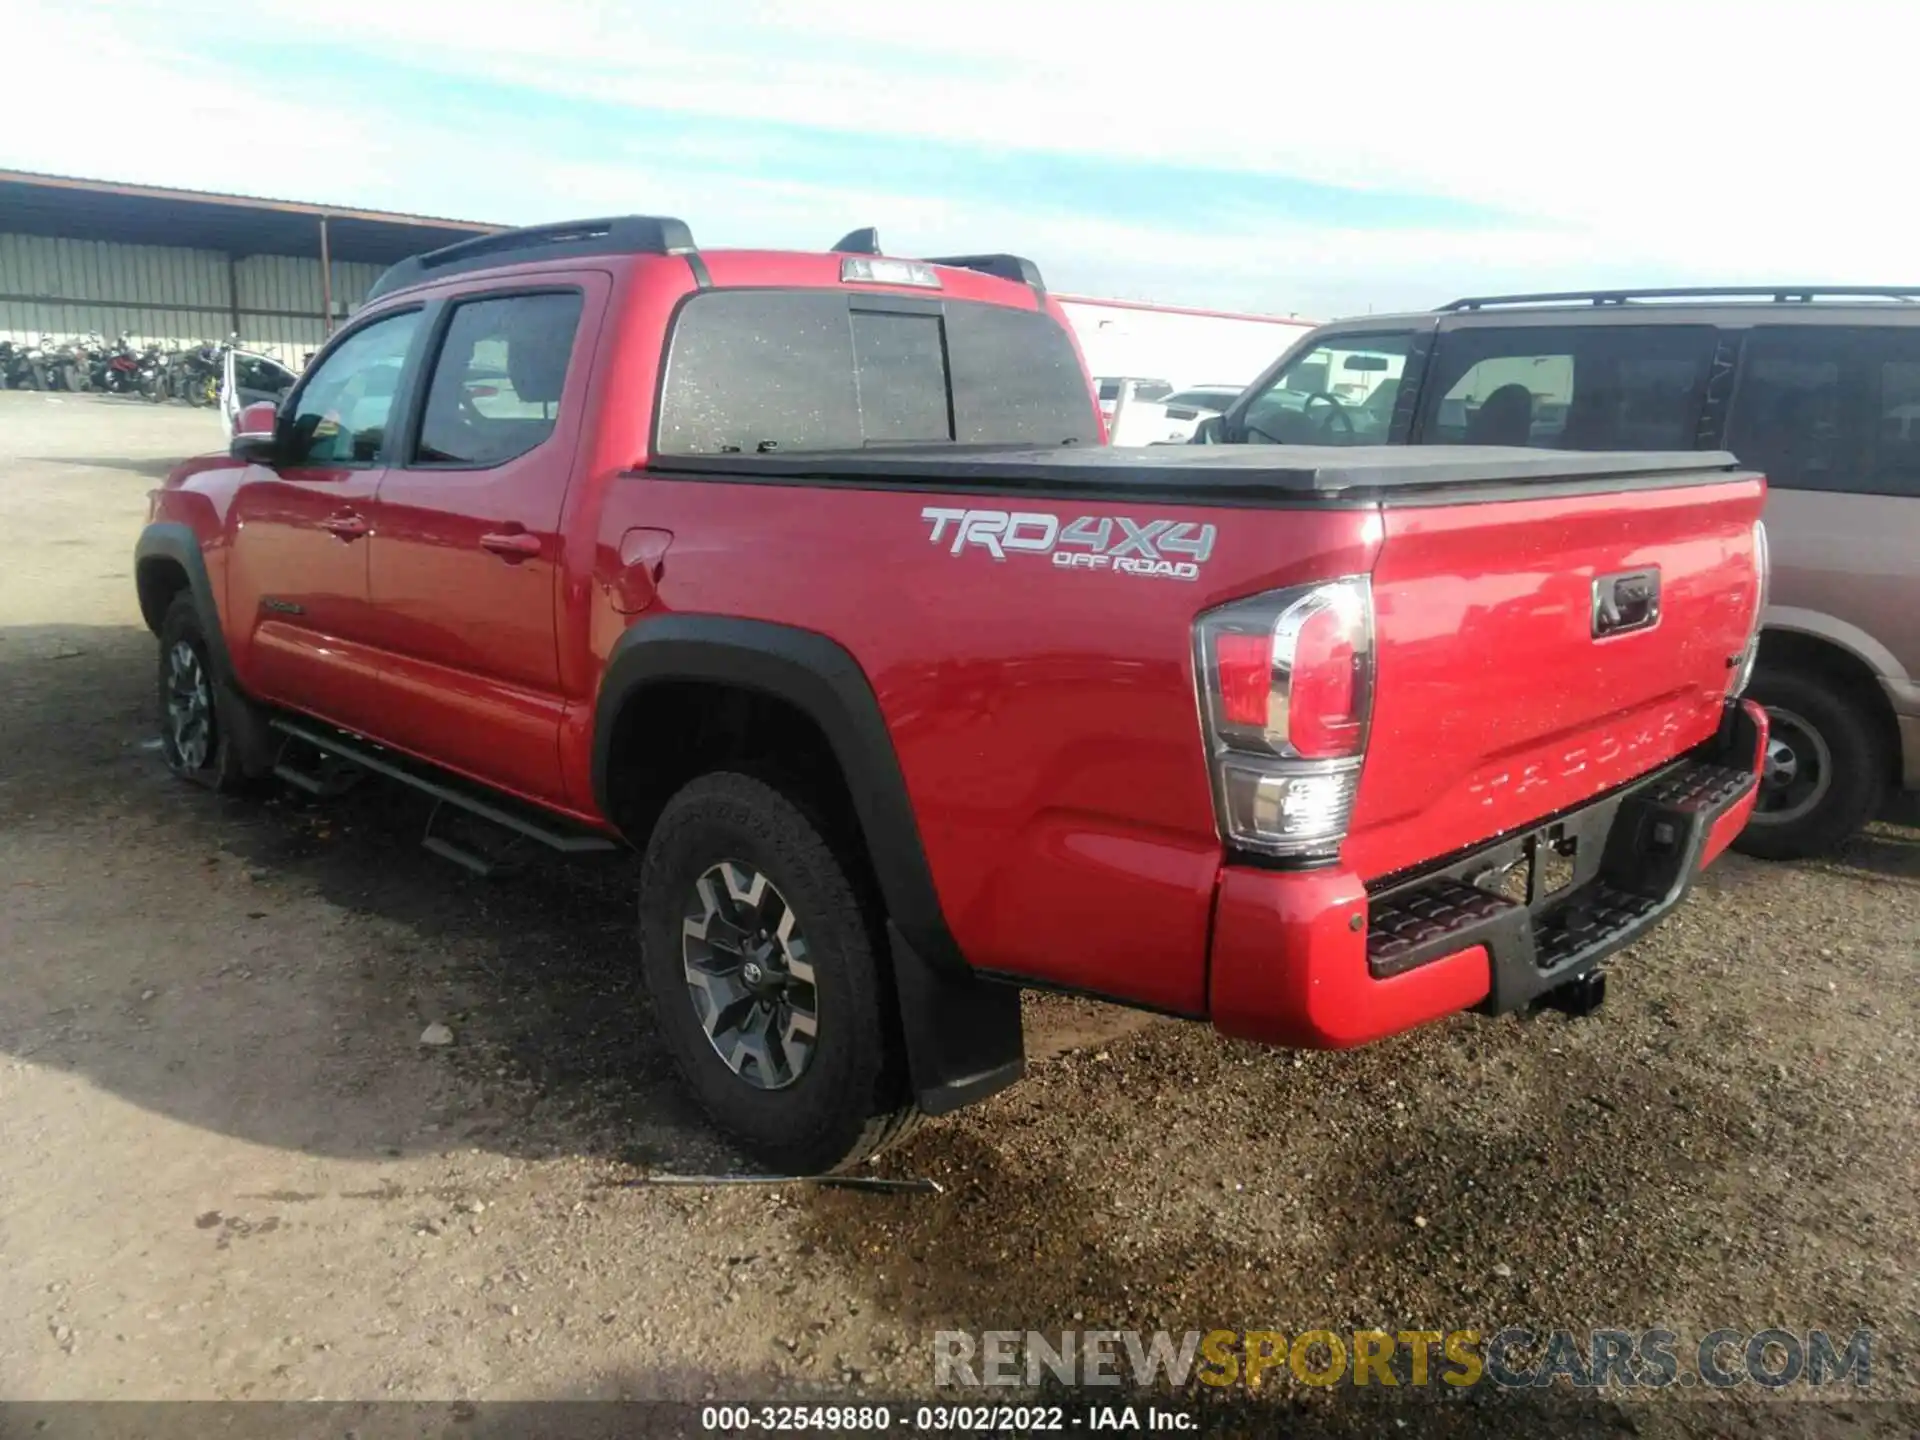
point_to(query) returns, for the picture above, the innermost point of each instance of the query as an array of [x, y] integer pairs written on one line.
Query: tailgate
[[1519, 671]]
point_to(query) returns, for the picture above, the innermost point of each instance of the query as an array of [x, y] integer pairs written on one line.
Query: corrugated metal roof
[[82, 209]]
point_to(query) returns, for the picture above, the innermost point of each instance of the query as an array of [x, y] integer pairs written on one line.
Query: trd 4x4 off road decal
[[1093, 542]]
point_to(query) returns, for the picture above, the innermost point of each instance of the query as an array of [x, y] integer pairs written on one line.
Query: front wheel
[[193, 738], [764, 969], [1826, 768]]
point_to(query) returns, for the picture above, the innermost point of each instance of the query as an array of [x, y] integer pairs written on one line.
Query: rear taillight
[[1286, 684], [1749, 657]]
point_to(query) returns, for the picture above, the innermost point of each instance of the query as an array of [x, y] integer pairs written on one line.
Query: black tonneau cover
[[1229, 474]]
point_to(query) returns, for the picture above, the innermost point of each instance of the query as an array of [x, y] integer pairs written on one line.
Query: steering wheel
[[1337, 411]]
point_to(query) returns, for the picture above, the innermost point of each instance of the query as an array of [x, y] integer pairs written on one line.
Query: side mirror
[[254, 434], [1208, 432], [258, 418]]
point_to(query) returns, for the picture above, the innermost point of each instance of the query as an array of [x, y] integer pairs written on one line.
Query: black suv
[[1817, 387]]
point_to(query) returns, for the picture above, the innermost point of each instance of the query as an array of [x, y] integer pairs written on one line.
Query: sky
[[1293, 159]]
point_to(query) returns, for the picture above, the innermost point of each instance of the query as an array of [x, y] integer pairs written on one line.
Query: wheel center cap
[[752, 973]]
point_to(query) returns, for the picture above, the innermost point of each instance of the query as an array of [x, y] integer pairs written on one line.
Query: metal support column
[[233, 295], [326, 282]]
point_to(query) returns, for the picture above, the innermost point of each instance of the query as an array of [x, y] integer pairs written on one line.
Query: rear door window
[[1830, 408], [497, 381], [1597, 387], [772, 372]]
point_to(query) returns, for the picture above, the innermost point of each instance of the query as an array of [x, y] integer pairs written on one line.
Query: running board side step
[[446, 790]]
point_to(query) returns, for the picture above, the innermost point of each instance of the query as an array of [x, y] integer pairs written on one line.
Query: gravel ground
[[233, 1171]]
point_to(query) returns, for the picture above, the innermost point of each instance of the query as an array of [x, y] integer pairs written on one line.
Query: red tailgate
[[1495, 704]]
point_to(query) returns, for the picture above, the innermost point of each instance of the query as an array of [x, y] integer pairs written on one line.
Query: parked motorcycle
[[202, 370], [23, 366], [151, 377], [115, 369], [69, 366]]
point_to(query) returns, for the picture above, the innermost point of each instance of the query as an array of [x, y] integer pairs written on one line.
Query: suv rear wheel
[[1825, 772], [764, 971]]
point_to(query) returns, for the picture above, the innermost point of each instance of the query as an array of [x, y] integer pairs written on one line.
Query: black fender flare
[[171, 543], [962, 1031], [167, 542]]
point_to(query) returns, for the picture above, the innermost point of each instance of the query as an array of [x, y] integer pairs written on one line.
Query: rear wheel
[[193, 738], [1826, 768], [765, 974]]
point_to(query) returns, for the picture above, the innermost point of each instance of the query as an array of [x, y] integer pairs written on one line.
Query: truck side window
[[1830, 408], [1575, 387], [341, 415], [1340, 392], [497, 381]]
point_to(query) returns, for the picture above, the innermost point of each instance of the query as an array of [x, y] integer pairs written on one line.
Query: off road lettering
[[1091, 542]]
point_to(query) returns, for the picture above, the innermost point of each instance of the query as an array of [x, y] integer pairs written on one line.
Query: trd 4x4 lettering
[[1093, 542]]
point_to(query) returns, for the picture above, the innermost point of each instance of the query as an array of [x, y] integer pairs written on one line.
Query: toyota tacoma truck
[[808, 578]]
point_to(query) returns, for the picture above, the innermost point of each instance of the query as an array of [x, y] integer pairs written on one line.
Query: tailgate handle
[[1626, 602]]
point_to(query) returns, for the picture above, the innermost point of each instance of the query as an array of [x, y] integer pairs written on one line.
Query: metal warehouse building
[[179, 267]]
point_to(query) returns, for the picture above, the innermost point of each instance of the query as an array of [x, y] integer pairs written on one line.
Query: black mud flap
[[963, 1034]]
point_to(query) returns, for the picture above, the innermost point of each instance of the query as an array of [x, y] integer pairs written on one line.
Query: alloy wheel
[[189, 707], [750, 975]]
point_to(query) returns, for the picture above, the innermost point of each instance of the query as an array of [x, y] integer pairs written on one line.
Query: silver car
[[1820, 389]]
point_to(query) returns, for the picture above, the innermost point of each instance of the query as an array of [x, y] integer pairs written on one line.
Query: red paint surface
[[1290, 968], [1044, 720], [1494, 706]]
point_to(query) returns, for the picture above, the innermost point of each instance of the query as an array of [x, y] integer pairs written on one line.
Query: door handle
[[346, 527], [512, 545]]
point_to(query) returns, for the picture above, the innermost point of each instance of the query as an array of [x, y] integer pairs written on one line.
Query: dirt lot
[[232, 1171]]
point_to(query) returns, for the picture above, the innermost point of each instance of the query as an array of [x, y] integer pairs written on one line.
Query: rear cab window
[[1574, 387], [765, 372]]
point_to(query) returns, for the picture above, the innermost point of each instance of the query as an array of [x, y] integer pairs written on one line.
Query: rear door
[[466, 557]]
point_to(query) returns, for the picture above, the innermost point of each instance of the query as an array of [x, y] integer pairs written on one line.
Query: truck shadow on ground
[[149, 469]]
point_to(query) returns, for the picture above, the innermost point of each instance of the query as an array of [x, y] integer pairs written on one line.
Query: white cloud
[[1631, 140]]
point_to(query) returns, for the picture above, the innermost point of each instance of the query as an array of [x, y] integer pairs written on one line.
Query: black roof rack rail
[[864, 241], [1004, 267], [564, 240], [1779, 294]]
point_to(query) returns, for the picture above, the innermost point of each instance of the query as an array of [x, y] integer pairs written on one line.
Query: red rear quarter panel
[[1045, 720]]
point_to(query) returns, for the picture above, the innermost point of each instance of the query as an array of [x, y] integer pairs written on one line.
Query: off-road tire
[[217, 768], [1859, 766], [851, 1100]]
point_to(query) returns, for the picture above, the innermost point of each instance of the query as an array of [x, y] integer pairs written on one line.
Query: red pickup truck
[[809, 578]]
